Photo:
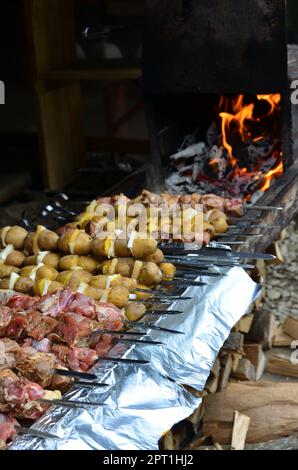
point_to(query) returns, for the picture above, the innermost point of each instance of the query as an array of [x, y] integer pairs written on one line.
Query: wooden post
[[51, 35]]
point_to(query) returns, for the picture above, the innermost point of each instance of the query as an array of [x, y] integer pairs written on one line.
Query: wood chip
[[240, 429]]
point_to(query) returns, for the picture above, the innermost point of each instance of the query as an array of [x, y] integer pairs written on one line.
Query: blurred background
[[74, 105]]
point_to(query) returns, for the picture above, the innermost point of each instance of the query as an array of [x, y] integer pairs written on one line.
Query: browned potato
[[100, 281], [50, 259], [143, 247], [5, 271], [88, 264], [93, 292], [44, 286], [124, 266], [68, 262], [75, 242], [24, 285], [15, 258], [43, 272], [157, 257], [168, 270], [97, 247], [134, 311], [150, 274], [74, 278], [28, 244], [118, 296], [47, 240], [14, 236]]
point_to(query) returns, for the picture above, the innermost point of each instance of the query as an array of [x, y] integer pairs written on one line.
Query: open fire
[[241, 154]]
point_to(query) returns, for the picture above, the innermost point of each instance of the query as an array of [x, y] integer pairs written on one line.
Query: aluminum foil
[[143, 402]]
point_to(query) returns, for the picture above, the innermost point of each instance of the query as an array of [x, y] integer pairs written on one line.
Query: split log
[[290, 327], [245, 370], [235, 360], [282, 365], [263, 329], [272, 408], [225, 371], [281, 338], [239, 432], [254, 353]]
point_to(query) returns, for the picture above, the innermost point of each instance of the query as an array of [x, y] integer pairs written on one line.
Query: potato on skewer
[[145, 272], [72, 261], [14, 235], [11, 257], [75, 242], [45, 257]]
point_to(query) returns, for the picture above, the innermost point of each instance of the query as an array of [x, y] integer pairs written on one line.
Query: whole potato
[[97, 247], [87, 263], [47, 240], [118, 296], [157, 257], [150, 274], [24, 285], [50, 259], [77, 243], [45, 272], [16, 236], [15, 258], [68, 262], [5, 271], [28, 244], [143, 247], [125, 266], [134, 311]]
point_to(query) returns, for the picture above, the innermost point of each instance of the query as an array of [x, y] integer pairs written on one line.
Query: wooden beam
[[51, 38]]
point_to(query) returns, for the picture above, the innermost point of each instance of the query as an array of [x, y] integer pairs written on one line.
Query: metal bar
[[36, 433], [75, 374], [71, 403], [122, 359]]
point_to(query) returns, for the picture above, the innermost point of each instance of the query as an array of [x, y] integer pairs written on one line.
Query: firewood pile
[[251, 395]]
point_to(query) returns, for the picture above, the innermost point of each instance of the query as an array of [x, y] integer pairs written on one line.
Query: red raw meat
[[104, 344], [109, 316], [42, 328], [81, 359], [83, 305], [72, 327], [18, 325], [56, 303], [22, 302], [61, 352]]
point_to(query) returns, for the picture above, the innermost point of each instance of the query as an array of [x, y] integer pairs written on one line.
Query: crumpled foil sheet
[[143, 402]]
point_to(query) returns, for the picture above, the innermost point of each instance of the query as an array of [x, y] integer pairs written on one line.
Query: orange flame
[[239, 118], [275, 172]]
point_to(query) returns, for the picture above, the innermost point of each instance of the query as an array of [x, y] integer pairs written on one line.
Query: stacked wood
[[271, 407], [286, 333], [254, 353], [283, 365]]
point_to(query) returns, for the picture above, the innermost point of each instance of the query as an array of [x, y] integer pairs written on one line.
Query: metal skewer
[[163, 312], [74, 374], [71, 403], [262, 208], [82, 383], [154, 327], [36, 433], [122, 359]]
